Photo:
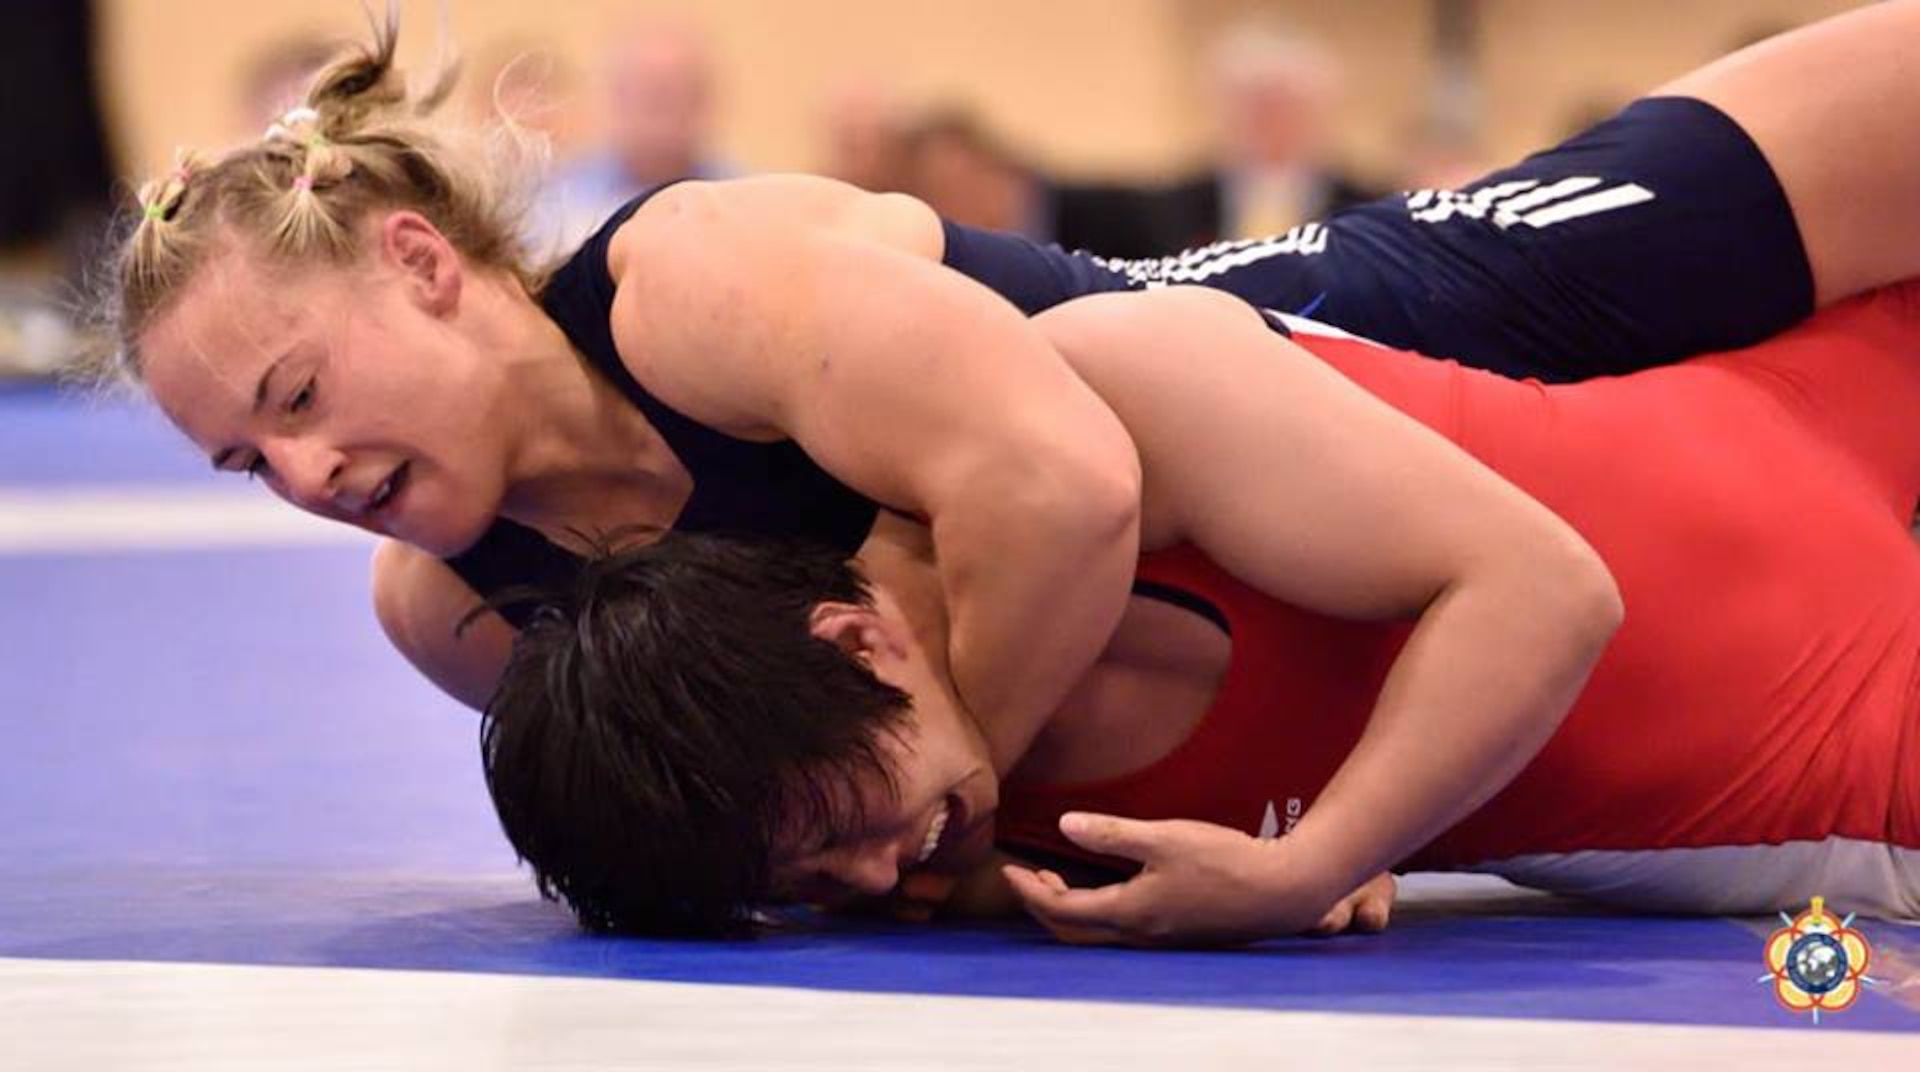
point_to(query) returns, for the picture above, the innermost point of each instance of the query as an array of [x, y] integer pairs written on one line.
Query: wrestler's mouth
[[385, 497], [947, 824], [937, 827]]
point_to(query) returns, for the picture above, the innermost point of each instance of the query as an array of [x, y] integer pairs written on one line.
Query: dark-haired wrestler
[[760, 724]]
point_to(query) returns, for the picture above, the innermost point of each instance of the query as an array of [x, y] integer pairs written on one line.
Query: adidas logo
[[1527, 203]]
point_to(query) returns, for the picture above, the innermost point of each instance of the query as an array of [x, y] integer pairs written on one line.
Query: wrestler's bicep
[[1284, 472]]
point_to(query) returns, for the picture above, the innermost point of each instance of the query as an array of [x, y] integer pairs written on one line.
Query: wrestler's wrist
[[1317, 864]]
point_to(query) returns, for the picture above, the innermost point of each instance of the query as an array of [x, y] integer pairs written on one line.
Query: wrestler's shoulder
[[724, 216]]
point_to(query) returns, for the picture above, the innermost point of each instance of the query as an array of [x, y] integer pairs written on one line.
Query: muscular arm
[[787, 311], [1298, 482]]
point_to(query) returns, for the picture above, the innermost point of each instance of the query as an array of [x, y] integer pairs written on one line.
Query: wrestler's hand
[[1200, 885]]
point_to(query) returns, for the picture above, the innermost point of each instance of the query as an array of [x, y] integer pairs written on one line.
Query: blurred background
[[1129, 127]]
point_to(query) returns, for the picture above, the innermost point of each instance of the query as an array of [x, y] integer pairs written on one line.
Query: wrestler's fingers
[[1037, 896], [1373, 912], [1058, 906], [1037, 888], [1336, 920], [1110, 835]]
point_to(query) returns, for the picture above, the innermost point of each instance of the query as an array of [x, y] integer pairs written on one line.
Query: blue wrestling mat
[[212, 757]]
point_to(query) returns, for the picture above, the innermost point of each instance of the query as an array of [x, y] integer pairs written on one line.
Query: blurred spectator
[[659, 106], [969, 176], [1276, 94], [276, 79], [865, 130], [55, 176]]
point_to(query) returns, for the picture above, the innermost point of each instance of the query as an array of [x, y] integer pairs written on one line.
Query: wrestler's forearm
[[1035, 584], [1486, 678]]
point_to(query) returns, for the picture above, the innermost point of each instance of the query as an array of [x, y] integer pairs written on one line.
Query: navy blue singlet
[[739, 486], [1659, 234]]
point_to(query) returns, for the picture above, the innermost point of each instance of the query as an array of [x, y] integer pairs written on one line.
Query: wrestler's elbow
[[1111, 481], [1572, 588], [1091, 490], [421, 606]]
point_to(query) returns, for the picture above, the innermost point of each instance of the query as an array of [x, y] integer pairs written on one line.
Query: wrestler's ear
[[424, 258], [857, 629]]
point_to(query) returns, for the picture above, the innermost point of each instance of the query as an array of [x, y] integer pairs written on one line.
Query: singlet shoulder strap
[[512, 561], [579, 298]]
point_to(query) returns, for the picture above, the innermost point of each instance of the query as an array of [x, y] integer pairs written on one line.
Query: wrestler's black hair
[[666, 714]]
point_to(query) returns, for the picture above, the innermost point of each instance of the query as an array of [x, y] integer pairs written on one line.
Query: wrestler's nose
[[308, 472], [871, 868]]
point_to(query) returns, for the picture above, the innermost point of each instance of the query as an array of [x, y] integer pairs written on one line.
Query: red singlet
[[1753, 733]]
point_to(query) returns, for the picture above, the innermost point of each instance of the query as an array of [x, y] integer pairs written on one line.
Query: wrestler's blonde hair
[[362, 142]]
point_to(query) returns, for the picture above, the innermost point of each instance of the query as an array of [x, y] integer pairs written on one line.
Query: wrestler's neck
[[584, 459]]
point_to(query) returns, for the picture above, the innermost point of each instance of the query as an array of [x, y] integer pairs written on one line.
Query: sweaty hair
[[668, 716], [361, 143]]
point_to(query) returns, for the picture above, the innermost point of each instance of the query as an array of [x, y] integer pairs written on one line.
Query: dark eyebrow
[[259, 400]]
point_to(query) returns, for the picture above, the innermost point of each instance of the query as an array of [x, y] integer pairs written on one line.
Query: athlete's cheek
[[974, 848]]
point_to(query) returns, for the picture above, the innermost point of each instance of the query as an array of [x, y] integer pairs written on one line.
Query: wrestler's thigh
[[1659, 234], [1834, 107]]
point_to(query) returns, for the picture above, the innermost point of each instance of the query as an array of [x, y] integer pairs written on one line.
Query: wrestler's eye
[[303, 398]]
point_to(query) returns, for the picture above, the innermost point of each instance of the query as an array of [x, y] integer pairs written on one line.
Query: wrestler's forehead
[[203, 357]]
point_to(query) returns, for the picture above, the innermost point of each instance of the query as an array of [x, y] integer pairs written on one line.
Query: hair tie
[[283, 127], [303, 183], [154, 210]]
